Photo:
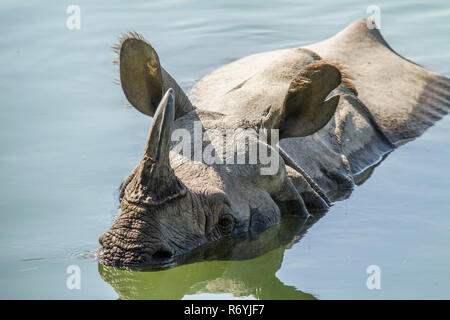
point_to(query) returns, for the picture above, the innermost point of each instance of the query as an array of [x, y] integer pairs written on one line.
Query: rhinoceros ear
[[143, 79], [404, 98], [305, 109]]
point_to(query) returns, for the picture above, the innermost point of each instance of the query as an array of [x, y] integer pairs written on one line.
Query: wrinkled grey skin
[[339, 105]]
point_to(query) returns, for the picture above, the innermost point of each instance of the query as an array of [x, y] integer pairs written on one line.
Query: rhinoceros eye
[[226, 223]]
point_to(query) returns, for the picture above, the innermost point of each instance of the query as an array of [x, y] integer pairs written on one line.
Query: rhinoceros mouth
[[135, 258]]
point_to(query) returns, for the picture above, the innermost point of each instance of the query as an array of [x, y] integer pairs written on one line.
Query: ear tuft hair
[[124, 36], [347, 78]]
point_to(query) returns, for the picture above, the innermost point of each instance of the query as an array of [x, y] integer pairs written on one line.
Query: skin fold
[[338, 107]]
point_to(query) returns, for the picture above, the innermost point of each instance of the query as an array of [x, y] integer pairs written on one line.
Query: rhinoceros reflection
[[240, 267]]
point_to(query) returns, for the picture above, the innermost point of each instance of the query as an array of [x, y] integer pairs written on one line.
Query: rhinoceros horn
[[155, 182]]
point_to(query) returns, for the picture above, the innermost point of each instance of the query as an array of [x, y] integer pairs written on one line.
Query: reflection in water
[[358, 178], [241, 267]]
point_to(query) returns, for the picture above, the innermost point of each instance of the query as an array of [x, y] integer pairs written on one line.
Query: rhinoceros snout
[[121, 252]]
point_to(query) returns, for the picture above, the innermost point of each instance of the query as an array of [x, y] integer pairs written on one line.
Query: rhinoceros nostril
[[162, 254], [144, 258]]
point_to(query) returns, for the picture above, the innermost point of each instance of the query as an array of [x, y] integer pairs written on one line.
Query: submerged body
[[339, 106]]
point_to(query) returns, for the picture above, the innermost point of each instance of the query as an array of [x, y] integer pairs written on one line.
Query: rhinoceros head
[[173, 202]]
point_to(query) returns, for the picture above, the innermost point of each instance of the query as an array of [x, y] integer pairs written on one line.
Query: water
[[68, 139]]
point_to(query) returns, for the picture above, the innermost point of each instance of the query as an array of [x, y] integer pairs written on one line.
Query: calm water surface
[[68, 139]]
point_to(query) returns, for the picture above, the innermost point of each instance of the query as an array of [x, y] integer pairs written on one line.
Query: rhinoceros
[[323, 113]]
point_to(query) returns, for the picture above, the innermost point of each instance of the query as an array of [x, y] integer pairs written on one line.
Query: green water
[[67, 141]]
